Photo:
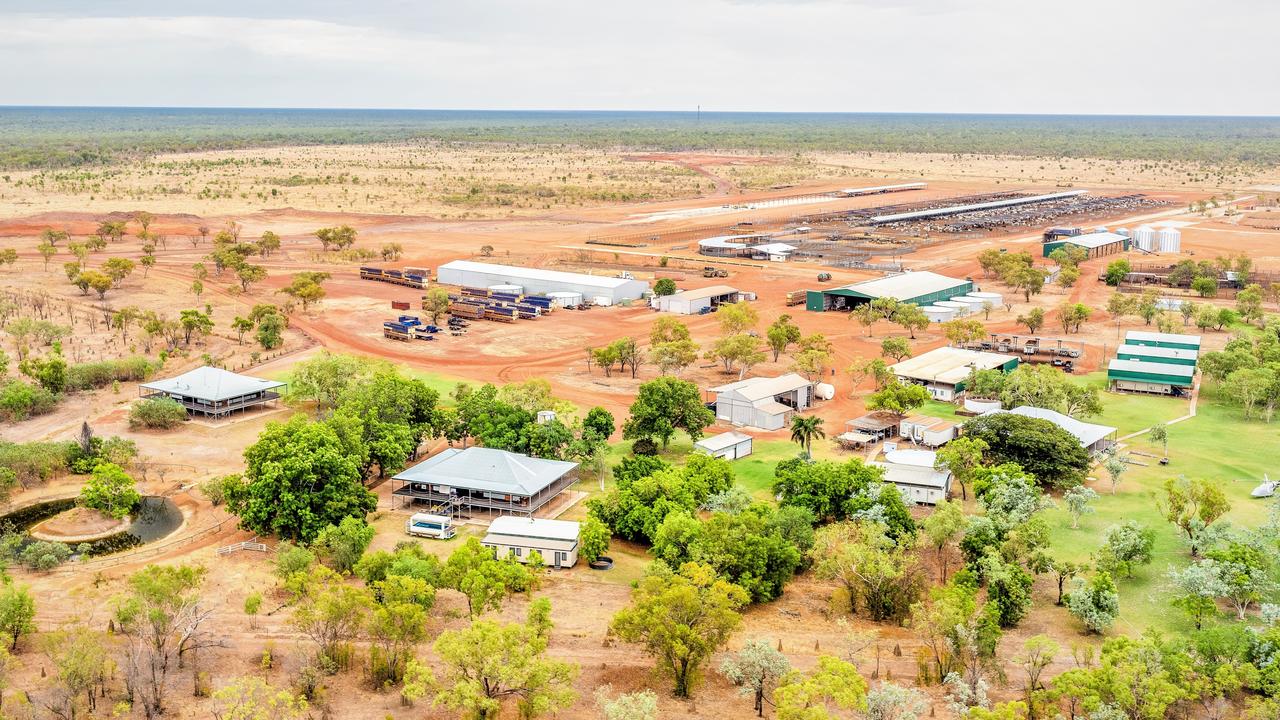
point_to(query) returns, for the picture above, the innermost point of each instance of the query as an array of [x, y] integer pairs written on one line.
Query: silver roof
[[488, 470], [906, 285], [1086, 433], [1152, 366], [759, 388], [722, 441], [1145, 336], [523, 273], [540, 528], [212, 384]]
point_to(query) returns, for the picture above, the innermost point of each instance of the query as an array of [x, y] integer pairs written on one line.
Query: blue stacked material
[[417, 278], [504, 297], [392, 325], [528, 311], [410, 320], [430, 328], [475, 292], [370, 271]]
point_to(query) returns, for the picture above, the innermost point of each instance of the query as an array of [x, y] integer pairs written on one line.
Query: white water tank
[[1144, 238], [565, 298], [994, 298], [1123, 231], [1169, 240], [981, 406], [825, 391], [937, 313], [960, 308], [975, 305], [1101, 229], [546, 416]]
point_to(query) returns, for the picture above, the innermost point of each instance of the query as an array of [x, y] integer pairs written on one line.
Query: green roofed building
[[1095, 244], [1152, 353], [1164, 340], [916, 288], [1147, 376]]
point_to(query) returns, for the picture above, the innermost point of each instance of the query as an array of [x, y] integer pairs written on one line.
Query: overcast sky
[[1035, 56]]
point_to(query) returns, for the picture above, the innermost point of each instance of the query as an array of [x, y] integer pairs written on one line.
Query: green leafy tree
[[436, 304], [737, 318], [834, 683], [270, 334], [299, 478], [1116, 272], [483, 579], [840, 491], [488, 663], [252, 698], [110, 490], [1196, 589], [1192, 506], [896, 348], [898, 398], [782, 334], [664, 286], [250, 275], [342, 545], [962, 457], [593, 539], [1125, 547], [942, 527], [1079, 503], [331, 612], [17, 612], [662, 407], [880, 577], [162, 619], [1044, 450], [745, 548], [1096, 603], [681, 618]]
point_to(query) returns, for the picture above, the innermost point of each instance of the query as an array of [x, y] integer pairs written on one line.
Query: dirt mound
[[79, 524]]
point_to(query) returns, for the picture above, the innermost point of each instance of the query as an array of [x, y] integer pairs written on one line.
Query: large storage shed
[[944, 371], [700, 300], [765, 403], [1165, 340], [535, 281], [213, 391], [917, 288], [1147, 376], [484, 479], [730, 445], [1096, 244], [555, 540], [1151, 353]]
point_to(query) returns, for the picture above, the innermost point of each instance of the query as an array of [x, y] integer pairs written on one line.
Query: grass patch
[[1218, 445]]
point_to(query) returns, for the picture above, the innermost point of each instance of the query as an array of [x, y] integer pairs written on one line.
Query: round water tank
[[959, 307], [981, 406], [825, 391], [1169, 240], [1101, 229], [507, 289], [565, 298], [938, 313], [973, 303], [994, 298], [1123, 231]]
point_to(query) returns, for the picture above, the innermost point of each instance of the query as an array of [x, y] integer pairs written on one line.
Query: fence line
[[149, 550]]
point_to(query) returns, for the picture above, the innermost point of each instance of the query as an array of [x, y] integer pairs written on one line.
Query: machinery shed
[[729, 445], [1150, 377], [944, 371], [916, 288], [536, 281], [1151, 353], [697, 301], [1164, 340], [1095, 244]]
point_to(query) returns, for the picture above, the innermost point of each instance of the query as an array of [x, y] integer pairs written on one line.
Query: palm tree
[[804, 430]]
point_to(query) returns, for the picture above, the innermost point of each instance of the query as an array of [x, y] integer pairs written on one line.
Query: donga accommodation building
[[555, 540]]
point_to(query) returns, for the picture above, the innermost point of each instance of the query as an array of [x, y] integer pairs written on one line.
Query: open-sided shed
[[916, 288]]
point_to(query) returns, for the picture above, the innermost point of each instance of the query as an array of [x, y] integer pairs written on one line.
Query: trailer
[[412, 277], [500, 314], [396, 331], [471, 311], [797, 297]]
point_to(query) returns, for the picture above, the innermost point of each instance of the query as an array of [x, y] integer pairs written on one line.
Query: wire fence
[[128, 556]]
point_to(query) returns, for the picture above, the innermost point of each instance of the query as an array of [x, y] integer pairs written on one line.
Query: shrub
[[20, 400], [644, 446], [44, 556], [161, 413], [88, 376]]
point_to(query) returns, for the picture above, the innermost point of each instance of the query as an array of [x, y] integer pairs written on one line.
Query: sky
[[1174, 57]]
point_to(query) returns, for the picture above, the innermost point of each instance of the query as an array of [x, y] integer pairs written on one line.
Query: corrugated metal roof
[[716, 443], [957, 209], [212, 384], [528, 527], [948, 364], [1158, 352], [1144, 336], [905, 286], [1086, 433], [760, 388], [706, 292], [912, 475], [487, 470], [1093, 240], [1151, 366], [524, 273]]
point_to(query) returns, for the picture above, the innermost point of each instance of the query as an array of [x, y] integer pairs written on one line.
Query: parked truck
[[714, 272]]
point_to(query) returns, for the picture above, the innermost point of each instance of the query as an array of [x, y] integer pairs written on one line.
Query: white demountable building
[[928, 431], [912, 472], [555, 540], [536, 281], [765, 403], [730, 445]]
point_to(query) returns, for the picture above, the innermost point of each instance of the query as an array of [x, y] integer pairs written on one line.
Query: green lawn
[[1218, 445]]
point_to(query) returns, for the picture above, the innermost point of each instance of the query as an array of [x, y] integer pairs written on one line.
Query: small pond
[[156, 518]]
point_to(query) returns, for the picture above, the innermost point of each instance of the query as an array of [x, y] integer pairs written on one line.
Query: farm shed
[[213, 391], [1094, 438], [694, 302], [944, 371], [912, 472], [730, 445], [1151, 353], [555, 540], [1147, 376], [765, 403], [536, 281], [876, 425], [1164, 340], [916, 288], [1096, 244], [477, 478]]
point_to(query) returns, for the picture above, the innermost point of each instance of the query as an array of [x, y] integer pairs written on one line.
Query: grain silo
[[1169, 240], [1144, 238]]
